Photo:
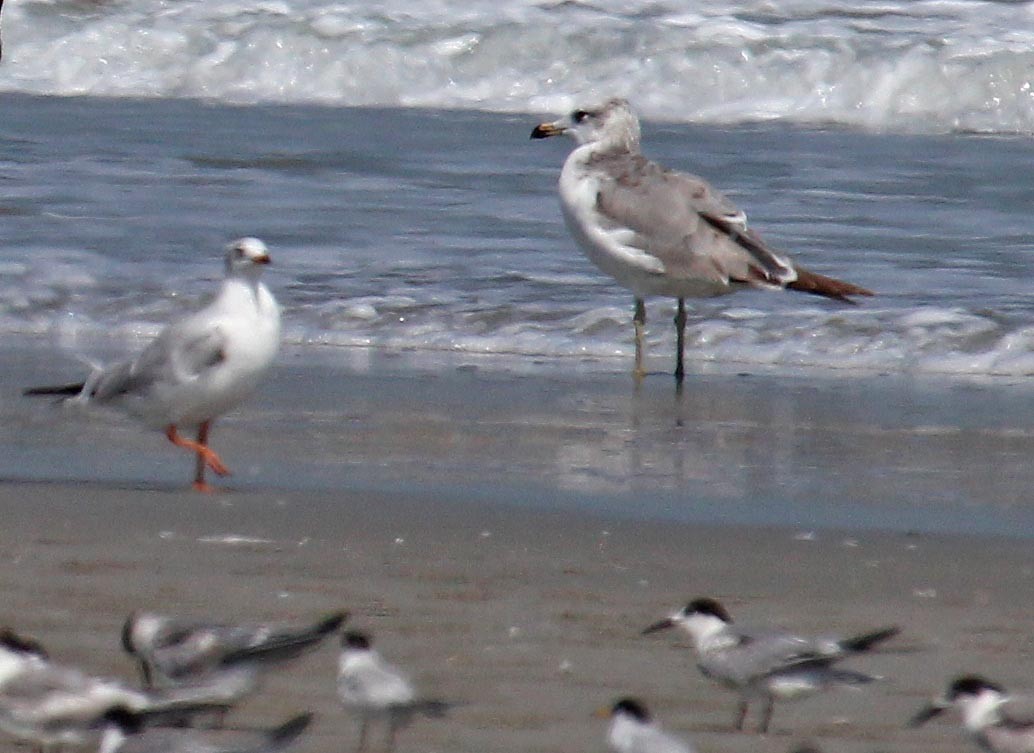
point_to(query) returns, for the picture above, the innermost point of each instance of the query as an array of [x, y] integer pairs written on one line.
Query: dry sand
[[529, 618]]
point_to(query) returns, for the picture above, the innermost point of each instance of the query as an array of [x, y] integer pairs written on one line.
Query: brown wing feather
[[816, 284]]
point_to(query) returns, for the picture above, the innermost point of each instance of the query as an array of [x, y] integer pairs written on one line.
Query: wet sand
[[529, 619], [802, 450]]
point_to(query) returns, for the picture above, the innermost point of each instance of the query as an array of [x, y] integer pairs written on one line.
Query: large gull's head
[[612, 125]]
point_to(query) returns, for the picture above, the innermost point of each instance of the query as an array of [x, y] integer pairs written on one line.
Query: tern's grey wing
[[55, 695], [154, 740], [1017, 712], [375, 685], [694, 230], [184, 648], [166, 741], [282, 642], [653, 740], [762, 652]]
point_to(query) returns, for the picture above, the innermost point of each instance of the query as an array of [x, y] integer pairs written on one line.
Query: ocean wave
[[908, 65], [929, 340]]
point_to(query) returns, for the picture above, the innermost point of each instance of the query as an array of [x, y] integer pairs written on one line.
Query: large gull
[[659, 232], [200, 366]]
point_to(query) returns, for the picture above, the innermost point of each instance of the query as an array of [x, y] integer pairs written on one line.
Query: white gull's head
[[246, 256]]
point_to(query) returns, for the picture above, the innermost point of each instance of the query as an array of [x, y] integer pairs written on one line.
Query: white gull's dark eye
[[579, 116]]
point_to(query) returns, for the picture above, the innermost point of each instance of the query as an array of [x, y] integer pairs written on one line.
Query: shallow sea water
[[464, 343]]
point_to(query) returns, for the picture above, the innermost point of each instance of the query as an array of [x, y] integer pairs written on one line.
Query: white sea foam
[[897, 64]]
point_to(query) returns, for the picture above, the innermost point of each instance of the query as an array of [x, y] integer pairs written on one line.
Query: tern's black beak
[[664, 624], [545, 130], [925, 714]]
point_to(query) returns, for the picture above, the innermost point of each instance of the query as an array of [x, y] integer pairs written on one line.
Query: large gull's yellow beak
[[545, 130]]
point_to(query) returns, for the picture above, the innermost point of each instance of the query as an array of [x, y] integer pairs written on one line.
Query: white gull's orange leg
[[206, 456]]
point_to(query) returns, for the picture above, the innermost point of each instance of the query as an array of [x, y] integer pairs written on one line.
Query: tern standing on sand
[[633, 730], [200, 366], [661, 232], [998, 721], [373, 689], [766, 664]]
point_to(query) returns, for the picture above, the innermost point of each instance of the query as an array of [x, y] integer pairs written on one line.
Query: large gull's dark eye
[[579, 116]]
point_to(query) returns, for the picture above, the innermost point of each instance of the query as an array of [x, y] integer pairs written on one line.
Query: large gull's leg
[[680, 339], [206, 456], [639, 320]]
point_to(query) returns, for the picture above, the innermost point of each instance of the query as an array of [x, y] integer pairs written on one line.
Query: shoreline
[[802, 452]]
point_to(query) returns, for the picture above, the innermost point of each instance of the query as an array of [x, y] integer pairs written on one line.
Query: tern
[[632, 730], [199, 367], [51, 705], [659, 232], [998, 721], [766, 664], [373, 689], [222, 662]]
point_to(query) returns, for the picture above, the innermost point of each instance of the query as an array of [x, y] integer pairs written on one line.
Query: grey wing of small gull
[[692, 229], [177, 355]]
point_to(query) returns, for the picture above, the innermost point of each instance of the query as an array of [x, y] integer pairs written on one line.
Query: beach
[[450, 444], [528, 622], [505, 538]]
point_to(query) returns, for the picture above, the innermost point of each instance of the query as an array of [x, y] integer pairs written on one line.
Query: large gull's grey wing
[[694, 230]]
